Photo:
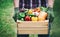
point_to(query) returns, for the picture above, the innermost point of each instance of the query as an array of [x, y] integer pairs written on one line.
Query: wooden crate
[[30, 27]]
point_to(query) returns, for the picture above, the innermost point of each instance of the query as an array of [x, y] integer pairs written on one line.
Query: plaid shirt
[[32, 3]]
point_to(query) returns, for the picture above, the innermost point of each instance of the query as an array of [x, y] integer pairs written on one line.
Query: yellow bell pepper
[[30, 11], [34, 18]]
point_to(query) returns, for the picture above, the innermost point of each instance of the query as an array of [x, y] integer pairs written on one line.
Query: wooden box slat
[[33, 28], [32, 31], [33, 24]]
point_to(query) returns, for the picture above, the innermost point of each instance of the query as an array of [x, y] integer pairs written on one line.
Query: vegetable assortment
[[36, 14]]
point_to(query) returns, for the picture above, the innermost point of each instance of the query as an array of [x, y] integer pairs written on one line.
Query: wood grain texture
[[30, 27]]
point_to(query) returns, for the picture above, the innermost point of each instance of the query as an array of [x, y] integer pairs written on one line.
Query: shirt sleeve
[[16, 10], [50, 15]]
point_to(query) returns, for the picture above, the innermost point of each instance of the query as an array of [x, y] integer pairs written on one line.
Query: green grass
[[8, 27], [55, 28]]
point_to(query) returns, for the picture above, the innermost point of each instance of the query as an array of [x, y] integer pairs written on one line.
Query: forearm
[[16, 3], [50, 3], [16, 6]]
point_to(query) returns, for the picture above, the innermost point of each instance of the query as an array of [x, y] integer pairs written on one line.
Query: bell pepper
[[34, 18], [27, 18], [30, 11]]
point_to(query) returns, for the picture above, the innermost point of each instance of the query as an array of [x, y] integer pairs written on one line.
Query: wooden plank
[[32, 28], [32, 24], [32, 31]]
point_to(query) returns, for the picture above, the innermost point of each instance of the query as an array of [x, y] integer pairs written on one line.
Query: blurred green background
[[8, 26], [55, 28]]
